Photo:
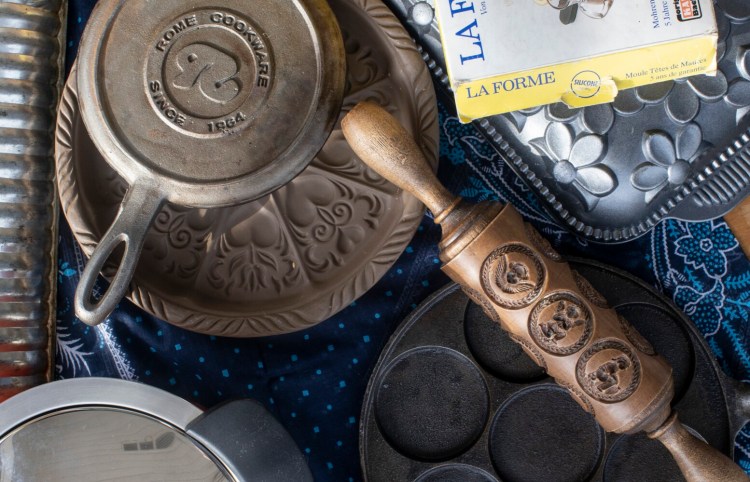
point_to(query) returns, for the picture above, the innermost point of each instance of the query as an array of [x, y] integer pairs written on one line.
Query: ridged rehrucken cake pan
[[31, 40]]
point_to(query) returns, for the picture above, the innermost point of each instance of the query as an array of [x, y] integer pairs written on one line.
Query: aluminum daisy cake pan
[[611, 172]]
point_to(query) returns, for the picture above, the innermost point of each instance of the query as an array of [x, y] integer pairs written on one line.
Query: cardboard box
[[506, 55]]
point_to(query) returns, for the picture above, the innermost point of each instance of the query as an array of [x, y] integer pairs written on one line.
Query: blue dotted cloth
[[314, 381]]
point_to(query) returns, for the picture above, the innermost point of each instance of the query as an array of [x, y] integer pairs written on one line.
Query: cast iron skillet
[[453, 398], [201, 106]]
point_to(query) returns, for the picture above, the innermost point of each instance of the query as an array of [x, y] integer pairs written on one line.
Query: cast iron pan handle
[[139, 208], [514, 274]]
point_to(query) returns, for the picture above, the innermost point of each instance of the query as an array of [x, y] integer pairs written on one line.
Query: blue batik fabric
[[314, 381]]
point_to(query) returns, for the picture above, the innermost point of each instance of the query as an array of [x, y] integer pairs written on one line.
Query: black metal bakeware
[[452, 397], [678, 149]]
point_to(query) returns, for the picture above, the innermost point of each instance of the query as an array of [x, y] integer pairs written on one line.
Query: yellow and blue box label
[[506, 55]]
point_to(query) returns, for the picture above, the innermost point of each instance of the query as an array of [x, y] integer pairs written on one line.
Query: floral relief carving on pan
[[273, 265], [181, 231], [332, 221], [363, 66], [254, 256], [577, 162], [668, 160], [338, 160], [368, 78]]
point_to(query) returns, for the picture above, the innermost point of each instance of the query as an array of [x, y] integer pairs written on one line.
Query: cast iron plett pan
[[702, 174], [453, 398]]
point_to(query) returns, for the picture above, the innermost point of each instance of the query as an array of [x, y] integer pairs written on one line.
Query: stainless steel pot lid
[[97, 429], [103, 444], [202, 106]]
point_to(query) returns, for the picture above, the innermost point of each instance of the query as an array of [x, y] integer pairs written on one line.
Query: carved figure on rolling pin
[[561, 321]]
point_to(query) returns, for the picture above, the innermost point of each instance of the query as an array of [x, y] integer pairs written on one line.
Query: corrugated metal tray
[[31, 40]]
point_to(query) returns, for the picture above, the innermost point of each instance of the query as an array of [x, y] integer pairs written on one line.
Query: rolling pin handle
[[384, 145], [698, 461]]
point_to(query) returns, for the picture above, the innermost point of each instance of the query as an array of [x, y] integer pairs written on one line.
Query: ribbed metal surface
[[30, 70]]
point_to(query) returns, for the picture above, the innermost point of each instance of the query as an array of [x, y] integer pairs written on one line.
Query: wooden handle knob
[[698, 461], [384, 145]]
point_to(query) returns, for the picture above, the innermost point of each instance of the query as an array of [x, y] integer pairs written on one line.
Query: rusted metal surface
[[31, 33]]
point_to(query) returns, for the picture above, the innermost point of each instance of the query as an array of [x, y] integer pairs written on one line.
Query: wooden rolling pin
[[562, 322]]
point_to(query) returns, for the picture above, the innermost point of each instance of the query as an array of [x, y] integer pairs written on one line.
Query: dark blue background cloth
[[314, 381]]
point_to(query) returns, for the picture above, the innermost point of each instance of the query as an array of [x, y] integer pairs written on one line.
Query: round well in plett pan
[[432, 403], [455, 472], [540, 433], [496, 351]]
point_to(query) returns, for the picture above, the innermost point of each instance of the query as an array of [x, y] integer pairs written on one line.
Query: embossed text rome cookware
[[201, 106]]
